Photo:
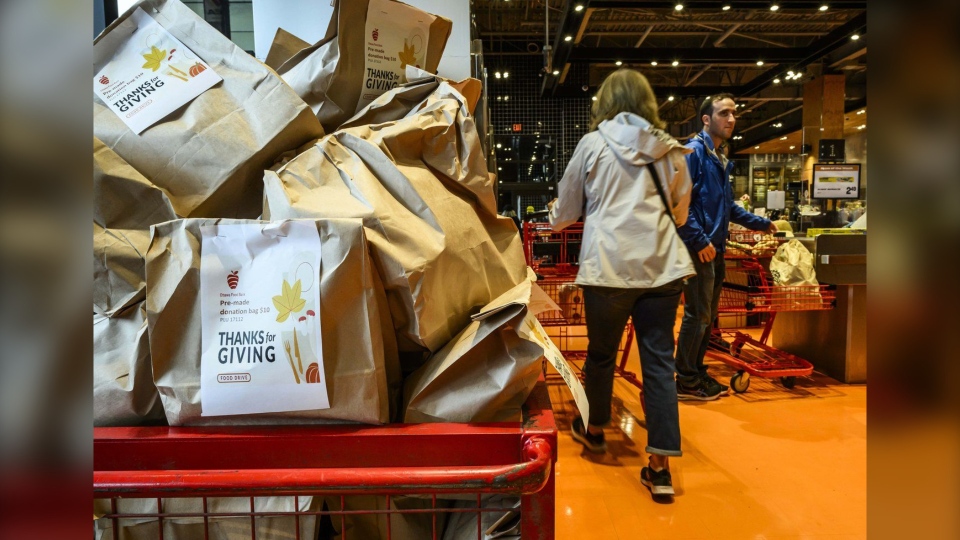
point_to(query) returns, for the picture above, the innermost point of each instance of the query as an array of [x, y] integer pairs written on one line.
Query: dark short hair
[[706, 108]]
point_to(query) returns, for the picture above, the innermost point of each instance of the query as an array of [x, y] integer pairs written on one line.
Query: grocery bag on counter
[[268, 323], [195, 114], [285, 45], [486, 372], [125, 204], [422, 187], [792, 265], [213, 527], [364, 53]]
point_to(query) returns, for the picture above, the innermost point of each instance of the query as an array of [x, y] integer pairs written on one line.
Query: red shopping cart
[[451, 471], [748, 289], [552, 253]]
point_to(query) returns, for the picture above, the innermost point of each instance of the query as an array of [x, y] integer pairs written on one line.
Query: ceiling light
[[864, 126], [499, 145], [499, 168], [506, 74], [774, 6], [497, 75], [783, 138], [568, 38], [824, 7], [759, 62], [861, 111], [798, 75], [756, 147], [790, 74], [726, 7], [792, 147], [556, 72], [675, 63], [670, 98], [776, 81], [619, 63], [855, 37], [594, 98], [678, 7], [653, 63], [506, 98], [578, 8]]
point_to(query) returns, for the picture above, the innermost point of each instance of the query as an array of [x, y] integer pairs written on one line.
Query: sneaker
[[701, 391], [722, 389], [660, 483], [594, 443]]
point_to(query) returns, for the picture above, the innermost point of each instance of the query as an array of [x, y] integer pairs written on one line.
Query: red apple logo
[[233, 279], [376, 34], [104, 80]]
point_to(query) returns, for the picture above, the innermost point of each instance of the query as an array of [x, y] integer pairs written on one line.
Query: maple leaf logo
[[406, 56], [288, 301], [154, 58]]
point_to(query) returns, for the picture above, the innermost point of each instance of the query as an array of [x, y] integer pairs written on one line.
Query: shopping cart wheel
[[788, 382], [740, 382]]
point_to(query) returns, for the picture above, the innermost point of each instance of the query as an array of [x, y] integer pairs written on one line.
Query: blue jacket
[[711, 202]]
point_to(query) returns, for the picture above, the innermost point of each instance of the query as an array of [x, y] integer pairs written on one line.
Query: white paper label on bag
[[150, 75], [532, 330], [260, 305], [395, 37]]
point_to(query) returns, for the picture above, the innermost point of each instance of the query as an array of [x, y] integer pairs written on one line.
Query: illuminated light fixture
[[790, 74], [497, 75], [653, 63], [506, 98], [855, 37], [678, 7], [499, 145], [506, 74], [774, 7], [792, 147], [568, 38], [756, 147], [578, 8], [798, 75], [864, 126], [593, 98], [824, 7], [619, 63], [499, 168], [675, 63], [726, 7], [783, 138], [670, 98], [759, 62], [556, 72], [776, 81]]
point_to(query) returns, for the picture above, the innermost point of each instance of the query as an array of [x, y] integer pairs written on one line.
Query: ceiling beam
[[583, 55], [644, 36], [794, 5]]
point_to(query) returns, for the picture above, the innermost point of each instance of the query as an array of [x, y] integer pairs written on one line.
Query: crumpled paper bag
[[125, 204], [360, 361], [329, 75], [792, 265], [219, 528], [422, 187], [485, 373], [284, 46], [209, 155]]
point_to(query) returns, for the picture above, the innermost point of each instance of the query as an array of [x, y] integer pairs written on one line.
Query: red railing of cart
[[399, 459]]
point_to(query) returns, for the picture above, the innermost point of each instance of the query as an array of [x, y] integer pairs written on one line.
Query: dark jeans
[[654, 312], [701, 295]]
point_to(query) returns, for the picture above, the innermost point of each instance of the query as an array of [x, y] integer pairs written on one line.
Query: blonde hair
[[625, 90]]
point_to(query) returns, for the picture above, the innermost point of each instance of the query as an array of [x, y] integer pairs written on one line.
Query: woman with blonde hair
[[628, 179]]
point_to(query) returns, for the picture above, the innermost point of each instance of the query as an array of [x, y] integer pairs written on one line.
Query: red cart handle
[[523, 478]]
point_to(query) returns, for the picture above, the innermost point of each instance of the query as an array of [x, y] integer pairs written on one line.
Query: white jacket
[[628, 239]]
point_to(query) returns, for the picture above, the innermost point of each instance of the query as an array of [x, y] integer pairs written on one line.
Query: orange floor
[[767, 464]]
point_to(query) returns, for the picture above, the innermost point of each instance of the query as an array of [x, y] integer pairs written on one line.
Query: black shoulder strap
[[663, 195]]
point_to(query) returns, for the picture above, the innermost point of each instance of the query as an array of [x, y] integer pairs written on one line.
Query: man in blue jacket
[[705, 235]]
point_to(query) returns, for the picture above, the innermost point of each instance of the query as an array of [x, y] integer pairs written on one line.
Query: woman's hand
[[550, 204]]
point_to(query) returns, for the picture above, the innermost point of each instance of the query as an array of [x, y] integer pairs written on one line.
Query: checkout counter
[[835, 341]]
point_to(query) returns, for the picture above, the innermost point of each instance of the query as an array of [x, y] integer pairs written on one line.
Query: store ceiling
[[715, 49], [854, 122]]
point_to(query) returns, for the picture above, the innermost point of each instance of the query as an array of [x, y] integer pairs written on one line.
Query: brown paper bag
[[485, 373], [360, 361], [332, 76], [284, 46], [422, 186], [208, 155], [125, 205]]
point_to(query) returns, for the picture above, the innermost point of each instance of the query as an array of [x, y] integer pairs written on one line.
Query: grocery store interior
[[422, 210]]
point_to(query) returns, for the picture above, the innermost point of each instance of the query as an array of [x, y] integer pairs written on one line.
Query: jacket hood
[[635, 140]]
